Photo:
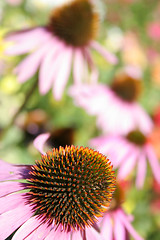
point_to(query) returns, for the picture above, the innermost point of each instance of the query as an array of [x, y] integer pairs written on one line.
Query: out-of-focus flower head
[[115, 107], [154, 30], [116, 224], [67, 39], [128, 151], [14, 2], [61, 196]]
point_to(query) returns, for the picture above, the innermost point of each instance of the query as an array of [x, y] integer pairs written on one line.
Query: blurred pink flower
[[114, 114], [14, 2], [128, 151], [116, 225], [67, 39], [154, 30]]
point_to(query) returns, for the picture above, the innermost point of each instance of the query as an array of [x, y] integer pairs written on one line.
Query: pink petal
[[9, 187], [25, 35], [141, 170], [9, 171], [78, 67], [127, 165], [128, 226], [91, 233], [59, 235], [40, 233], [107, 229], [10, 201], [40, 141], [30, 225], [94, 71], [143, 120], [153, 160], [30, 229], [76, 235], [47, 68], [11, 220], [119, 229], [63, 73], [110, 57], [31, 63], [25, 45]]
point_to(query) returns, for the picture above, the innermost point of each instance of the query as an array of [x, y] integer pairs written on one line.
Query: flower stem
[[27, 98]]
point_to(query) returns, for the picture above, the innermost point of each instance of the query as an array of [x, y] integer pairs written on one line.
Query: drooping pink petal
[[9, 187], [107, 228], [128, 226], [110, 57], [59, 235], [141, 170], [31, 63], [11, 220], [91, 233], [78, 66], [122, 153], [32, 229], [10, 201], [76, 235], [107, 120], [47, 68], [90, 97], [40, 233], [143, 120], [30, 225], [93, 68], [24, 45], [119, 229], [9, 171], [63, 73], [40, 141], [153, 160], [26, 34], [128, 164]]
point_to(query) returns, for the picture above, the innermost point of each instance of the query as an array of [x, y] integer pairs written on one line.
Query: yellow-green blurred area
[[126, 29]]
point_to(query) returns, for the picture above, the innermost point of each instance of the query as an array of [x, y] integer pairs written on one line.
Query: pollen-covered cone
[[61, 196]]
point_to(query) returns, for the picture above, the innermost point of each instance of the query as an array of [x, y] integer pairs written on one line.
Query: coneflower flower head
[[116, 224], [126, 87], [76, 22], [67, 189], [118, 197], [60, 47], [70, 185], [136, 137]]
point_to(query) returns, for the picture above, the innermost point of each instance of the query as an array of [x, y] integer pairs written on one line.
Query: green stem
[[27, 98]]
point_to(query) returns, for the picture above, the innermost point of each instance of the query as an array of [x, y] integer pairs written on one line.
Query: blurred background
[[128, 28]]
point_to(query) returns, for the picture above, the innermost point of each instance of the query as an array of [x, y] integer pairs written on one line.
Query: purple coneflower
[[115, 107], [116, 224], [59, 197], [67, 38], [128, 151]]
